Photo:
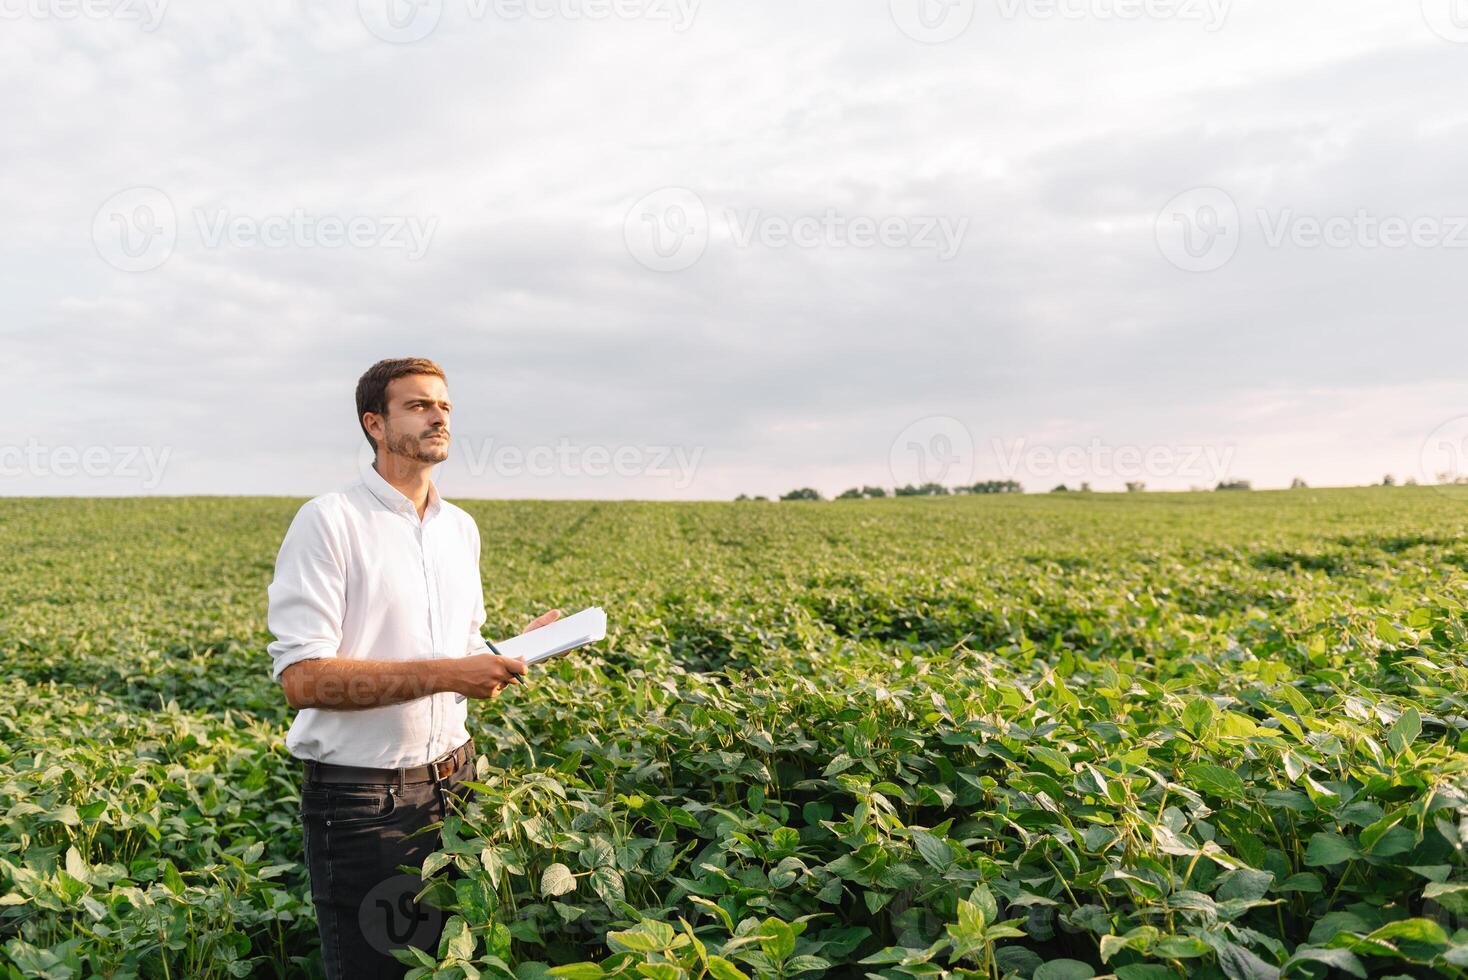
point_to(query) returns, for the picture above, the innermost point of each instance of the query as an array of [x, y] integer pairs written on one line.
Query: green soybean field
[[1050, 736]]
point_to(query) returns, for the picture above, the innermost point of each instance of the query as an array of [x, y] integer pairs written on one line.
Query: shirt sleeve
[[476, 620], [308, 596]]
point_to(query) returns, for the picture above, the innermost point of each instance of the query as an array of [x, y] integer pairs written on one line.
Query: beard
[[417, 448]]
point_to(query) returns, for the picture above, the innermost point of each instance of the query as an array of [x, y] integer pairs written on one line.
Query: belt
[[436, 771]]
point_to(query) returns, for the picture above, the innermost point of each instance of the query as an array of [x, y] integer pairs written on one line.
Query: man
[[376, 608]]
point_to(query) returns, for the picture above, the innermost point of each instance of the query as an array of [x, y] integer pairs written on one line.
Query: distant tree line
[[926, 490], [1012, 486]]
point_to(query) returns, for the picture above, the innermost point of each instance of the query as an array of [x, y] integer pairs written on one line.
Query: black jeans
[[356, 836]]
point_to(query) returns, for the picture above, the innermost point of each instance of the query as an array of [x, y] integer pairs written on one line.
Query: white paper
[[587, 626]]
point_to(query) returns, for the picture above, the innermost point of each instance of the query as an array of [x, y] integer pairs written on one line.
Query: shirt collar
[[394, 499]]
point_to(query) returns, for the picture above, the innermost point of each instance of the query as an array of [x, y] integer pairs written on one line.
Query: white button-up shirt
[[360, 576]]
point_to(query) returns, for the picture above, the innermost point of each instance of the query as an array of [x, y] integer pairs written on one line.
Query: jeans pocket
[[357, 808]]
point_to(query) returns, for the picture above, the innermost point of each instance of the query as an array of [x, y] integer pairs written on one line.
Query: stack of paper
[[585, 627]]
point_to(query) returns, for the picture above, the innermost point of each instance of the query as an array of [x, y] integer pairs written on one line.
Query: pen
[[495, 650]]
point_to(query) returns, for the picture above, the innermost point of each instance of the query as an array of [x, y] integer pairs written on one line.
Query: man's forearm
[[341, 684]]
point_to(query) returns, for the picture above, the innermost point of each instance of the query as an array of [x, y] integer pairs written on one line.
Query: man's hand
[[483, 675], [544, 619]]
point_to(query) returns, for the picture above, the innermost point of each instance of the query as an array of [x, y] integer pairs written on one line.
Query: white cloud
[[527, 140]]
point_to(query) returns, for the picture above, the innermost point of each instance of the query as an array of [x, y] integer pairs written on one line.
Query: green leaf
[[1053, 759], [1198, 716], [1246, 884], [607, 882], [1416, 930], [638, 942], [1306, 881], [557, 880], [172, 880], [578, 971], [779, 939], [983, 898], [1327, 849], [722, 969], [456, 940], [1181, 948], [933, 850], [1405, 731], [1215, 780], [1340, 959], [1064, 970], [1239, 963], [806, 964], [1452, 896]]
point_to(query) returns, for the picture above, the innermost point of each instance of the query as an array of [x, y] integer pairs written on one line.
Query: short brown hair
[[372, 386]]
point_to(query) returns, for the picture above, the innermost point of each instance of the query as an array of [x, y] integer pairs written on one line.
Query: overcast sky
[[673, 249]]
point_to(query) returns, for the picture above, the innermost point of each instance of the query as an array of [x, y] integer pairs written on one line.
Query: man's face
[[416, 426]]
